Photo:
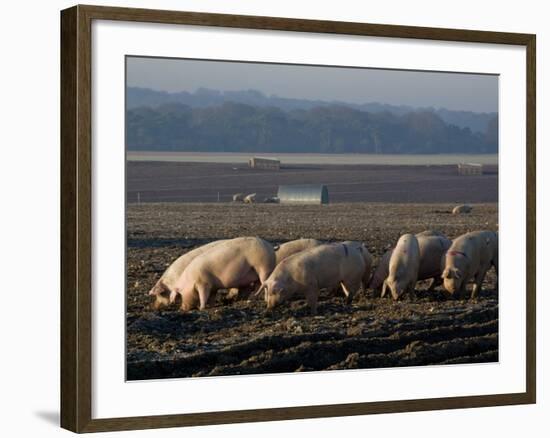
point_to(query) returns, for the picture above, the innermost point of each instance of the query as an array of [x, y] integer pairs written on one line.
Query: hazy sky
[[455, 91]]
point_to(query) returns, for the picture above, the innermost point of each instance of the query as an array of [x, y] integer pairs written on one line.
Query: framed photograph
[[269, 218]]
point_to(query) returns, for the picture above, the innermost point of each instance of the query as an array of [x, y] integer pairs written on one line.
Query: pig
[[403, 267], [432, 245], [238, 197], [367, 258], [234, 264], [240, 293], [432, 248], [470, 256], [322, 267], [381, 272], [294, 246], [250, 199], [165, 285], [460, 209]]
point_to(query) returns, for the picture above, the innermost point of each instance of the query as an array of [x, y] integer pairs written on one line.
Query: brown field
[[210, 182], [241, 338]]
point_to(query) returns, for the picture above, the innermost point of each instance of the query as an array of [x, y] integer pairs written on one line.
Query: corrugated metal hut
[[470, 169], [264, 163], [303, 194]]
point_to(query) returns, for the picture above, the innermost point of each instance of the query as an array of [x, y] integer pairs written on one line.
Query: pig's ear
[[156, 289], [262, 287], [159, 289]]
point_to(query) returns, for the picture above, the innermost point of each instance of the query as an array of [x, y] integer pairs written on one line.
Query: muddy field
[[239, 337], [213, 182]]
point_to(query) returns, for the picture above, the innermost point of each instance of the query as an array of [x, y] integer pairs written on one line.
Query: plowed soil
[[240, 337], [212, 182]]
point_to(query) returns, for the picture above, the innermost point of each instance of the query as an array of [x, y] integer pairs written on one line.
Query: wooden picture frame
[[76, 217]]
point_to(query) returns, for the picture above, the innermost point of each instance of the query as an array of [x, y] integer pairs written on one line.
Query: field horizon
[[313, 158]]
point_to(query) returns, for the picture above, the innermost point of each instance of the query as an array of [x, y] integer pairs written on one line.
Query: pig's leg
[[377, 292], [432, 285], [203, 289], [411, 289], [384, 288], [463, 292], [350, 290], [255, 278], [347, 293], [478, 282], [312, 296], [212, 298], [188, 299], [262, 274], [436, 281], [366, 277], [232, 293]]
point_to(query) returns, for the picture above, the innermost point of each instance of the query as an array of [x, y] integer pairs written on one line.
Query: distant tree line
[[203, 97], [237, 127]]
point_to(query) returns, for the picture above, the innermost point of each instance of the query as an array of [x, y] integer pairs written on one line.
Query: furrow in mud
[[268, 354], [418, 352]]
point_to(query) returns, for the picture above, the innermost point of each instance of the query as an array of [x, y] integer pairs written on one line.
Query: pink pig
[[232, 264]]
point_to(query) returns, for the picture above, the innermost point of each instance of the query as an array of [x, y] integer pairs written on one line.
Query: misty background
[[218, 106]]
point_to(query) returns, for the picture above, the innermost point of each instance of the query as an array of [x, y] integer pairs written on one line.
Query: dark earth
[[239, 337], [212, 182]]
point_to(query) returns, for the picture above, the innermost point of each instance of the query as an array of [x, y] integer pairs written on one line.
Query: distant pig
[[460, 209], [323, 267], [250, 199], [165, 285], [470, 256], [294, 246], [234, 264], [403, 267]]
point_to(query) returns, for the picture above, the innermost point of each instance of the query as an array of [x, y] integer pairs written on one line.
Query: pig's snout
[[451, 286], [395, 291], [272, 302]]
